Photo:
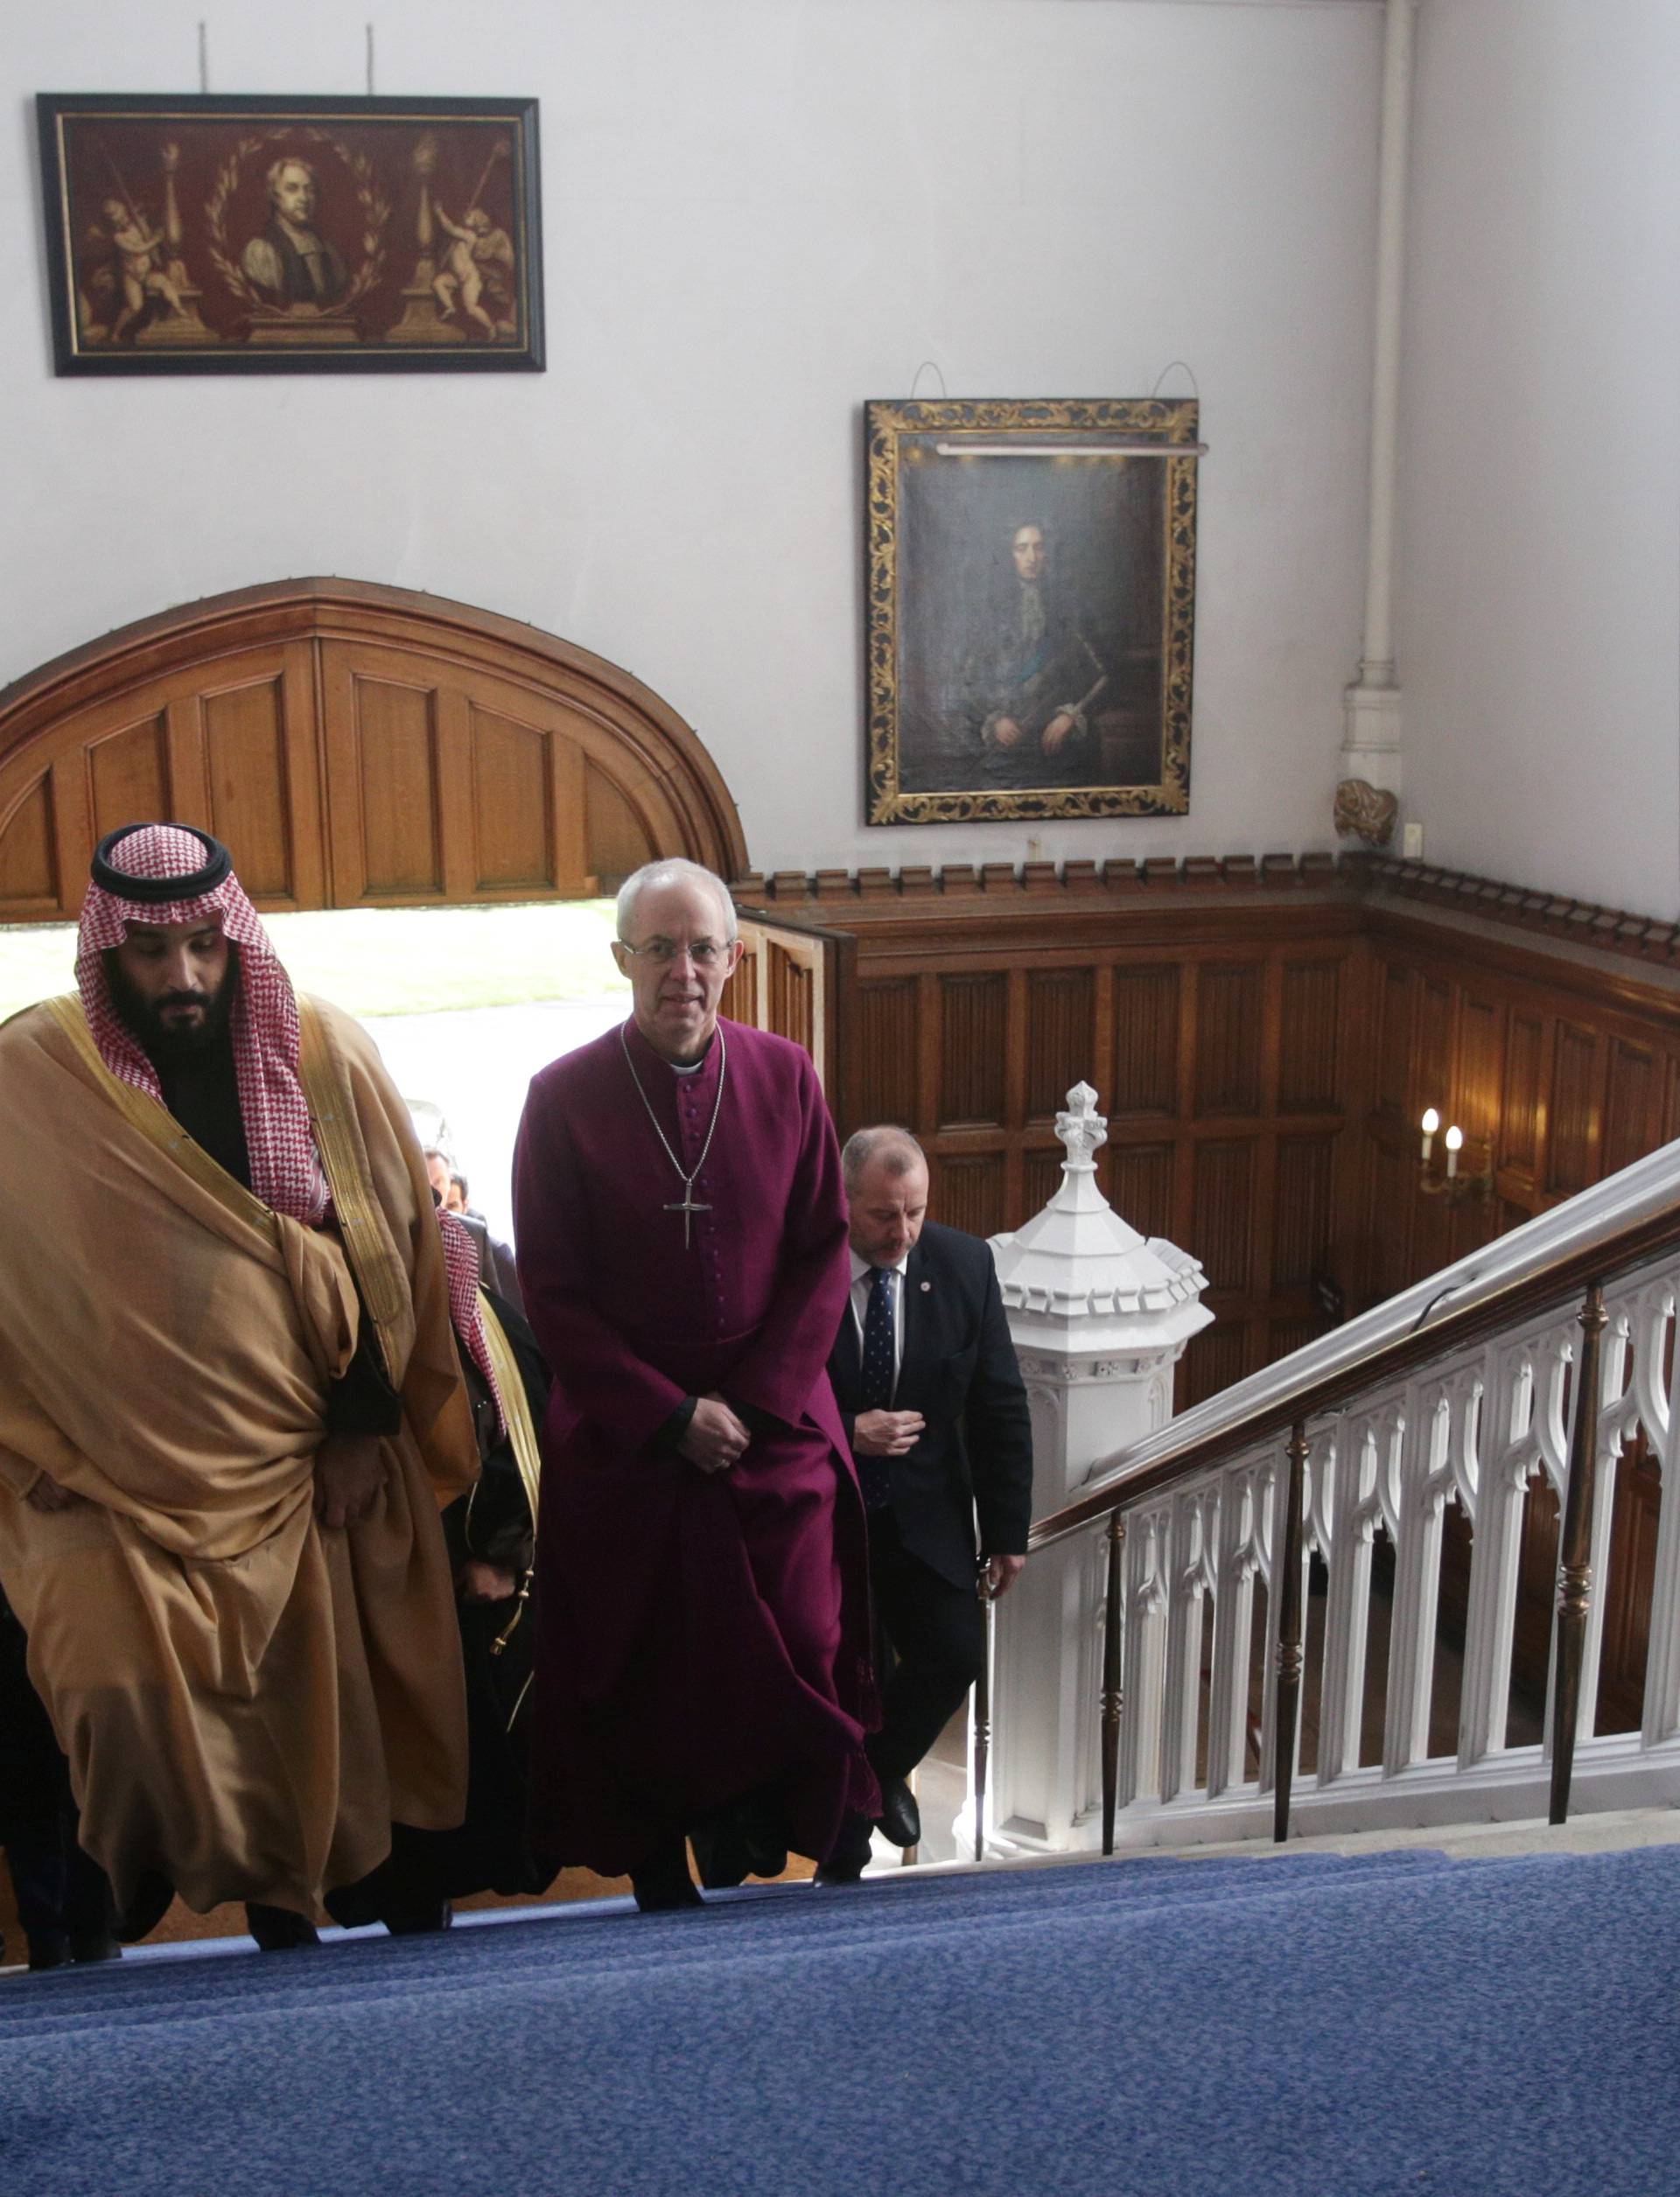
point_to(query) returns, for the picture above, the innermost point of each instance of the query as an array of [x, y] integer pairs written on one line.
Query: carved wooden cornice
[[834, 895]]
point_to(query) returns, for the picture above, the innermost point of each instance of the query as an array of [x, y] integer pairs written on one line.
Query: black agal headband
[[154, 892]]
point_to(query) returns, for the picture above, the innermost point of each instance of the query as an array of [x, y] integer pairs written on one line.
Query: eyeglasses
[[659, 953]]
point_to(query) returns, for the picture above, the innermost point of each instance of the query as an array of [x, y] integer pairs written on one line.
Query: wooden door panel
[[1521, 1120], [884, 1045], [229, 748], [1633, 1108], [513, 803], [258, 764], [29, 869], [618, 838], [127, 775], [1309, 1079], [1304, 1217], [1394, 1066], [1229, 1007], [1142, 1178], [785, 985], [1573, 1150], [1223, 1232], [974, 1017], [445, 781], [1060, 1006]]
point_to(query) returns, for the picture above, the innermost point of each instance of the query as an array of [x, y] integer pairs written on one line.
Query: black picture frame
[[1030, 607], [255, 234]]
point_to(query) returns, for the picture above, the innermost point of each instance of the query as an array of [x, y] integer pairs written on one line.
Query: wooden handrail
[[1526, 1291]]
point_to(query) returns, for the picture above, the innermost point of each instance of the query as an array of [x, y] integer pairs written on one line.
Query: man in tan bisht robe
[[230, 1408]]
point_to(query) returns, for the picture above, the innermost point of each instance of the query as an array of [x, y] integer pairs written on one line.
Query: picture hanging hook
[[926, 365], [204, 59], [370, 60], [1168, 370]]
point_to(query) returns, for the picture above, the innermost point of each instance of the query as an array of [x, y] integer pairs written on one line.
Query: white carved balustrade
[[1484, 1428]]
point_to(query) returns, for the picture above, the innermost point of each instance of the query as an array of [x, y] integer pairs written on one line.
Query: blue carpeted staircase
[[1333, 2027]]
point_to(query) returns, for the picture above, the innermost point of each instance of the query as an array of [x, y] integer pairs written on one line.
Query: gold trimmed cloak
[[248, 1700]]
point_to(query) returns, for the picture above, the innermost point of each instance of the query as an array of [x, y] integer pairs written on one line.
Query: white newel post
[[1099, 1318]]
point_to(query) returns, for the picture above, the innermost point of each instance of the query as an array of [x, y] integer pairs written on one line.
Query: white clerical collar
[[860, 1266], [678, 1068]]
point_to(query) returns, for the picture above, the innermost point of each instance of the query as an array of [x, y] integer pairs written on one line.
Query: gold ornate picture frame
[[241, 234], [1031, 570]]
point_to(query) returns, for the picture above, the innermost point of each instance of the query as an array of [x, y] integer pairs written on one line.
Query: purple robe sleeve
[[595, 1370], [790, 1356]]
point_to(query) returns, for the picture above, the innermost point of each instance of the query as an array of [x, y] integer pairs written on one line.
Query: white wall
[[1539, 611], [759, 213]]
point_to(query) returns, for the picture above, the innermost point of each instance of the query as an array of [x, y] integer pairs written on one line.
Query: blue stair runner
[[1307, 2026]]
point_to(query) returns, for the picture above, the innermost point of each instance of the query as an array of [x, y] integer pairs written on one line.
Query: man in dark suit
[[925, 1374]]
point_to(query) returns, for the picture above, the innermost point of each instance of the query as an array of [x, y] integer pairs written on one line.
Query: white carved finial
[[1082, 1129]]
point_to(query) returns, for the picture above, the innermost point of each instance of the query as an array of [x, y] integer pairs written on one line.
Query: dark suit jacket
[[958, 1369], [496, 1269]]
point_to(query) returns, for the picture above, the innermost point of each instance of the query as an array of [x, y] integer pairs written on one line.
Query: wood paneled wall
[[354, 747], [1218, 1040], [1560, 1066], [1263, 1051]]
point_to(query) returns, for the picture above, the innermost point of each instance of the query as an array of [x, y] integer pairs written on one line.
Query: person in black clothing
[[934, 1406], [492, 1536], [292, 261], [64, 1898]]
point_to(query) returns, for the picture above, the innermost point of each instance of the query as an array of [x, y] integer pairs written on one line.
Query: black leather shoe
[[153, 1897], [92, 1947], [413, 1918], [664, 1883], [48, 1952], [660, 1894], [899, 1821], [838, 1872], [277, 1929]]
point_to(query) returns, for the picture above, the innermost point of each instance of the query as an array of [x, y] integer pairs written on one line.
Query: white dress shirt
[[861, 1286]]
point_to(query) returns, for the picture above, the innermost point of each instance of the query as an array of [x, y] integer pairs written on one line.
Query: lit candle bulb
[[1454, 1141], [1431, 1122]]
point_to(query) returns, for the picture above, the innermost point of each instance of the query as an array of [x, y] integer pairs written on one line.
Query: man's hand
[[886, 1433], [477, 1581], [1001, 1574], [715, 1436], [1055, 732], [348, 1471], [50, 1494], [1006, 731]]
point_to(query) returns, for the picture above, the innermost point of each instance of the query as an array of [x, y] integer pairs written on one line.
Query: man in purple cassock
[[704, 1646]]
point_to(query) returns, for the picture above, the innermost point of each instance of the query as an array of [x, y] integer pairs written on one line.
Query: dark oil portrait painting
[[198, 235], [1031, 579]]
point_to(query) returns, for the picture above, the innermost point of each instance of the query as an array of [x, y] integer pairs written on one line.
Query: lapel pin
[[927, 1285]]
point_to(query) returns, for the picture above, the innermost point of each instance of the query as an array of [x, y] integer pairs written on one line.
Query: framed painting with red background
[[260, 235]]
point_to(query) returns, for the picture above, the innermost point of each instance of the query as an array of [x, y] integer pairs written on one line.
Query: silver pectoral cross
[[688, 1209]]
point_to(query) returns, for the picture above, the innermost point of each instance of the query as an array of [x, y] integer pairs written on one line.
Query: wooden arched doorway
[[355, 745]]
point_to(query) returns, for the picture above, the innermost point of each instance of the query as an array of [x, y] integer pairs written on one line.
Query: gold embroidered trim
[[156, 1123], [515, 1405], [384, 1289]]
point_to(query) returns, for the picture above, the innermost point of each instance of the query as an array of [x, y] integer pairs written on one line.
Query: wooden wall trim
[[851, 897], [1581, 922]]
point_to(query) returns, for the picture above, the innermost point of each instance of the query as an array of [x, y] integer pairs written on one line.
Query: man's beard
[[166, 1042]]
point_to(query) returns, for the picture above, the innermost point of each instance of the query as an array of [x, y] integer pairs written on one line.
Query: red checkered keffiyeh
[[286, 1170], [461, 1259]]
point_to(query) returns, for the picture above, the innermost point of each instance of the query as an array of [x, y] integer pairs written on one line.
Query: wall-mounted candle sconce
[[1451, 1182]]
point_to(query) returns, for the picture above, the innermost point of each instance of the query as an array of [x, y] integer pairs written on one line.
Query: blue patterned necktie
[[879, 1372]]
